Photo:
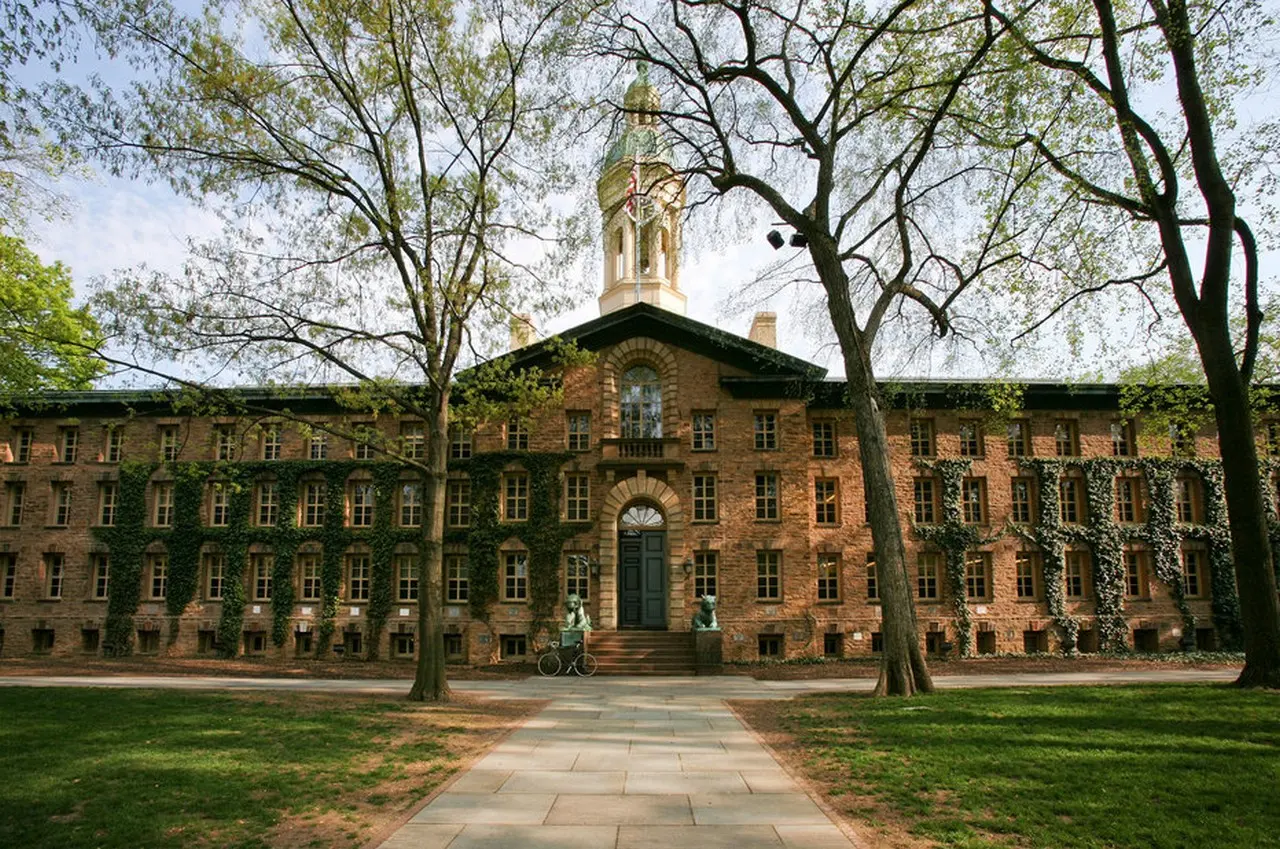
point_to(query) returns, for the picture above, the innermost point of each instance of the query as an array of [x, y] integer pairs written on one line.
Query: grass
[[129, 768], [1151, 766]]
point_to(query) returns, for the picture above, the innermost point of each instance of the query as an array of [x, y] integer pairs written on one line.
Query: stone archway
[[623, 494]]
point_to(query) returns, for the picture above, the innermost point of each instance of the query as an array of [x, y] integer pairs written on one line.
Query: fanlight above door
[[641, 516]]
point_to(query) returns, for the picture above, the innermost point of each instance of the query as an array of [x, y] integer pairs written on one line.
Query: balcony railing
[[633, 452], [640, 449]]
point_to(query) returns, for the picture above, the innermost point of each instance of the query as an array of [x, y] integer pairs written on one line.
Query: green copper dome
[[641, 137]]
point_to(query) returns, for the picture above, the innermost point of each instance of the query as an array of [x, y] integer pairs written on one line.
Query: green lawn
[[1150, 766], [133, 768]]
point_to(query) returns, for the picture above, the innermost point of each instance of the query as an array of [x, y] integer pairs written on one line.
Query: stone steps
[[643, 652]]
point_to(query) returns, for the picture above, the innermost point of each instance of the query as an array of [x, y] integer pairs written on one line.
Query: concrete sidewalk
[[614, 764]]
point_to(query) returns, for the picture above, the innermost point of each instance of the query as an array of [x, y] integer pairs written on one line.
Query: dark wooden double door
[[642, 579]]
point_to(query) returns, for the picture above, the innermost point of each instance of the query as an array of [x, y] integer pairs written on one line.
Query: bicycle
[[581, 662]]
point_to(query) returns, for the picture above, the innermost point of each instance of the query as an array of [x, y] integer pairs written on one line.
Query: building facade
[[685, 461]]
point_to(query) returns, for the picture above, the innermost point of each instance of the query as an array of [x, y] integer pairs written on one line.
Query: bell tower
[[641, 198]]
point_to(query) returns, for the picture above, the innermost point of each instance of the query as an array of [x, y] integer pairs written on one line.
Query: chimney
[[522, 330], [764, 329]]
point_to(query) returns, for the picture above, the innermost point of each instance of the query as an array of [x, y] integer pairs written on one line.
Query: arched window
[[641, 516], [641, 404]]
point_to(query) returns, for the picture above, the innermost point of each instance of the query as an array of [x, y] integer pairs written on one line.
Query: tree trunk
[[902, 667], [429, 682], [1251, 548]]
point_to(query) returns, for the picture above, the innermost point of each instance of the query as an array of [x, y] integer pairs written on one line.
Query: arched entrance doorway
[[642, 568]]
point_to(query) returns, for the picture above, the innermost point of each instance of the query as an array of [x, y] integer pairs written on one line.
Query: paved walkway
[[622, 763]]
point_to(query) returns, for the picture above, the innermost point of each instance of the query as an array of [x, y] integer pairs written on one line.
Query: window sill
[[56, 527], [708, 521], [515, 601], [768, 521], [50, 600], [768, 601]]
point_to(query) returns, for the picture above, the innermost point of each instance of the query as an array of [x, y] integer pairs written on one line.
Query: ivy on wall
[[184, 542], [543, 535], [1106, 540]]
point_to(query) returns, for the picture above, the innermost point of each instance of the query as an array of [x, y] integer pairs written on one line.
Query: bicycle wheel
[[549, 663], [585, 665]]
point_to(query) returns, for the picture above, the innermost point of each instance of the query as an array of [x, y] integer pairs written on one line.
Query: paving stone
[[593, 762], [813, 837], [536, 837], [761, 808], [510, 808], [728, 762], [697, 837], [621, 810], [561, 759], [480, 781], [423, 836], [564, 781], [685, 782], [770, 781]]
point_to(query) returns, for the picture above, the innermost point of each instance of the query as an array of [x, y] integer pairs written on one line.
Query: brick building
[[685, 461]]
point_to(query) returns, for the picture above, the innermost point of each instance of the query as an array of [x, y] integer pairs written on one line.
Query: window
[[261, 566], [1193, 572], [100, 569], [1122, 444], [402, 645], [271, 443], [828, 577], [108, 497], [1129, 504], [54, 565], [23, 438], [921, 437], [458, 497], [579, 428], [9, 568], [224, 442], [973, 500], [215, 574], [112, 445], [515, 576], [577, 575], [309, 571], [768, 575], [1273, 439], [971, 438], [457, 578], [977, 575], [459, 442], [168, 439], [1076, 582], [924, 501], [407, 577], [640, 403], [219, 504], [318, 445], [413, 442], [1182, 439], [577, 498], [362, 504], [824, 439], [1070, 500], [1186, 497], [704, 498], [1019, 436], [927, 575], [704, 431], [1021, 508], [268, 498], [62, 504], [766, 496], [765, 428], [1135, 574], [513, 646], [873, 578], [516, 502], [364, 439], [1066, 438], [358, 570], [14, 494], [410, 505], [1026, 565], [826, 500], [769, 646], [68, 444], [158, 571], [313, 504], [705, 569]]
